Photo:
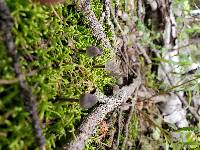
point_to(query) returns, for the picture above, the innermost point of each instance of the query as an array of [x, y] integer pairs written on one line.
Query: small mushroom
[[93, 51], [87, 100]]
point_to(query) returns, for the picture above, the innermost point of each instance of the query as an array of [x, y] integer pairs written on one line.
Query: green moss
[[42, 36]]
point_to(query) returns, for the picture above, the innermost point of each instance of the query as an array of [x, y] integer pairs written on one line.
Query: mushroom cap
[[93, 51], [87, 100]]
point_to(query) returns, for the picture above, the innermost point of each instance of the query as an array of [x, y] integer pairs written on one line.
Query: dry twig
[[112, 123], [129, 119], [96, 27], [28, 97], [87, 128], [119, 128], [116, 8], [108, 18], [142, 50]]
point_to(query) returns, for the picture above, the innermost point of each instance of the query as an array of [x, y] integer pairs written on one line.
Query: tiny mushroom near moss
[[87, 100], [93, 51]]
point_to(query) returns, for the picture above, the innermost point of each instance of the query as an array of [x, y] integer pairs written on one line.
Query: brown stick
[[129, 120], [87, 128], [28, 98]]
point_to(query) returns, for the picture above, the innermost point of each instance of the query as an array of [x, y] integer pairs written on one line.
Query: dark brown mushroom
[[93, 51], [87, 100]]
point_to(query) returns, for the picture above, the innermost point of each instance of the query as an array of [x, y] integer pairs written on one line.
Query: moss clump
[[47, 40]]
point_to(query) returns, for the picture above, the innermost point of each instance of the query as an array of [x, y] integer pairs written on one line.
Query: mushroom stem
[[99, 66], [64, 99], [81, 51]]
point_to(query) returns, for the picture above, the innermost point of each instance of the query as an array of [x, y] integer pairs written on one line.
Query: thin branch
[[87, 128], [108, 18], [183, 46], [124, 47], [116, 8], [112, 123], [173, 22], [129, 119], [28, 98], [96, 27], [141, 10], [142, 50], [119, 128]]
